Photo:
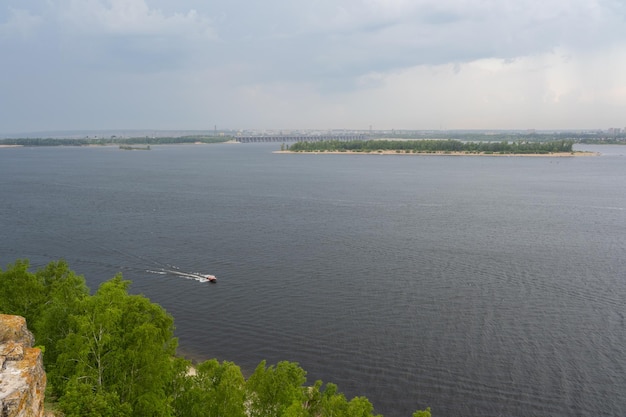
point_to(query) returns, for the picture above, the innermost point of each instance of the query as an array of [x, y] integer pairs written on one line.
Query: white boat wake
[[188, 275]]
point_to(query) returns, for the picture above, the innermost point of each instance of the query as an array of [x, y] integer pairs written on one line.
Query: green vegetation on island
[[435, 146], [113, 354]]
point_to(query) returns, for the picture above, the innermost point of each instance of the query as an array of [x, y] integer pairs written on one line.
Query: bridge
[[282, 139]]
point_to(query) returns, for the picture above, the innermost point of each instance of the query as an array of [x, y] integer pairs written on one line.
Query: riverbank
[[442, 153]]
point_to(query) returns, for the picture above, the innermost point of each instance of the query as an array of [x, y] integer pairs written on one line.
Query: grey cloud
[[343, 40], [327, 48], [327, 39]]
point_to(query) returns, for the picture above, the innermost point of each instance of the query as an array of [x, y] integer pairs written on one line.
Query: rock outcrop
[[22, 377]]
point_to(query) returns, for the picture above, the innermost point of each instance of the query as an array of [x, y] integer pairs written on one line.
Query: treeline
[[431, 146], [113, 141], [577, 137], [113, 354], [604, 140]]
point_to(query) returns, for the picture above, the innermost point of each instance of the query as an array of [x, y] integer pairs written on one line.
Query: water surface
[[479, 286]]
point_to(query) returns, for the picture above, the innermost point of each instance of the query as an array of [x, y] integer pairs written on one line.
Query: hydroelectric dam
[[297, 138]]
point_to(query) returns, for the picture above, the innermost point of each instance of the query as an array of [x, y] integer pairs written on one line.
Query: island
[[437, 147], [134, 148]]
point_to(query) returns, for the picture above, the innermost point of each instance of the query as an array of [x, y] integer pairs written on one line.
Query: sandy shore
[[440, 153], [11, 146]]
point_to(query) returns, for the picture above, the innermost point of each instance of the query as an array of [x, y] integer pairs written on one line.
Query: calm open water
[[479, 286]]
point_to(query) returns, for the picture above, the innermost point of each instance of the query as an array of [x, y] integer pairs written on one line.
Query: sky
[[319, 64]]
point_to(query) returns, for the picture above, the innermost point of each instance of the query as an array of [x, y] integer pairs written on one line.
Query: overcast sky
[[325, 64]]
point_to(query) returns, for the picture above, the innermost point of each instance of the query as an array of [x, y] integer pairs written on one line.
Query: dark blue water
[[479, 286]]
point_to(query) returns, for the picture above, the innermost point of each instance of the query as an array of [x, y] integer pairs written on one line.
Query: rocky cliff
[[22, 377]]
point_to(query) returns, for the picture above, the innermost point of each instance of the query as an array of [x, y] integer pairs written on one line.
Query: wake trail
[[187, 275]]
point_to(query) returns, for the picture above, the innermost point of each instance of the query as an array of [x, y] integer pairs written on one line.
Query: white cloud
[[560, 89]]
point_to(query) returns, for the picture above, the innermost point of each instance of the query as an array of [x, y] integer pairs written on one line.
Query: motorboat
[[193, 275]]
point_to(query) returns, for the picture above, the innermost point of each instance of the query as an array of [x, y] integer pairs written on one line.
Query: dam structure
[[298, 138]]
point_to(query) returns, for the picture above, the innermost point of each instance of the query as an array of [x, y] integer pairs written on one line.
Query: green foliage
[[105, 353], [122, 344], [112, 354], [21, 292], [47, 299], [215, 390], [422, 413], [360, 407], [64, 293], [272, 390], [80, 401], [429, 146]]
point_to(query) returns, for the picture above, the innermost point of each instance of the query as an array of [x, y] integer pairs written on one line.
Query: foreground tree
[[212, 390], [21, 292], [64, 293], [271, 390], [422, 413], [118, 353]]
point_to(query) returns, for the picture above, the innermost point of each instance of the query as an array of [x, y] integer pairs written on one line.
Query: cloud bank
[[452, 64]]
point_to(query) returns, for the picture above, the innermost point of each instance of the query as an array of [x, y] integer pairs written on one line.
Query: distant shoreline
[[442, 153], [112, 145]]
